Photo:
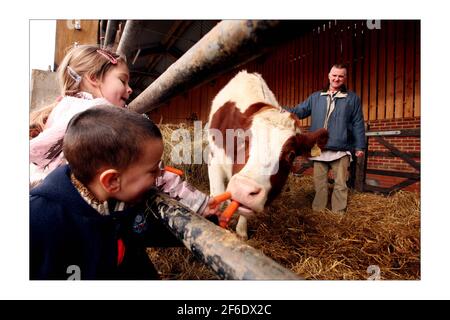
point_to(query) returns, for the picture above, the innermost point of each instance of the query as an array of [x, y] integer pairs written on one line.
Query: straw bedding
[[377, 232]]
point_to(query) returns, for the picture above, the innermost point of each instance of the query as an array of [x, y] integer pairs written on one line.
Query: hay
[[376, 230], [193, 173], [179, 264]]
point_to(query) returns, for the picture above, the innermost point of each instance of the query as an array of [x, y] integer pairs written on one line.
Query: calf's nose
[[247, 192]]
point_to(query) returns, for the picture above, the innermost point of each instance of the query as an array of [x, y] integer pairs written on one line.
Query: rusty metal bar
[[229, 44], [383, 133], [111, 30], [218, 248]]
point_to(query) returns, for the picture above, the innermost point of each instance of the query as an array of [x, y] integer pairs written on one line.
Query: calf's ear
[[321, 137], [305, 141]]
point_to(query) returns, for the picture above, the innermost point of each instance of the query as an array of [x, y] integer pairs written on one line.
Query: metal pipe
[[111, 31], [130, 37], [218, 248], [229, 44], [101, 33]]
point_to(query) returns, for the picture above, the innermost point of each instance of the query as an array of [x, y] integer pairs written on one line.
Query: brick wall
[[410, 145]]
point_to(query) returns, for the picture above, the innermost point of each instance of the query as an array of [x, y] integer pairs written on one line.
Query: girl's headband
[[107, 55]]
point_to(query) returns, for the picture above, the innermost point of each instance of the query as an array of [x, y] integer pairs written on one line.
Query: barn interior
[[177, 67]]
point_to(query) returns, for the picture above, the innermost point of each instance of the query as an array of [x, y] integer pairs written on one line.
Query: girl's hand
[[211, 209]]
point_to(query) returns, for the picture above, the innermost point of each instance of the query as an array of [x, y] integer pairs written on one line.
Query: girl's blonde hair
[[85, 61], [80, 61]]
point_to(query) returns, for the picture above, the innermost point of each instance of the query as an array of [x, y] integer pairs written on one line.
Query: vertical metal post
[[130, 37], [110, 35]]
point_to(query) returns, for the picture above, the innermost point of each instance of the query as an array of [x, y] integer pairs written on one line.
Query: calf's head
[[263, 156]]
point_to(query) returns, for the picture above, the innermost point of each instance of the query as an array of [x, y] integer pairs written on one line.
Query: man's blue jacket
[[345, 124]]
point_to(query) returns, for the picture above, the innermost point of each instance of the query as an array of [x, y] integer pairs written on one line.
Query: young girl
[[88, 76]]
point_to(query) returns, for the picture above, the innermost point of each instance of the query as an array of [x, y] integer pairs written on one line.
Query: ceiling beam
[[176, 30], [229, 44]]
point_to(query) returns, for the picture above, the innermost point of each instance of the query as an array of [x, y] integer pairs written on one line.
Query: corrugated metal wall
[[384, 70]]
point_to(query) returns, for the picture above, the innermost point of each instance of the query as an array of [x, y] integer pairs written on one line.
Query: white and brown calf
[[253, 143]]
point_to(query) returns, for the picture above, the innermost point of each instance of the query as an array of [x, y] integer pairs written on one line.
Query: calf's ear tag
[[315, 151]]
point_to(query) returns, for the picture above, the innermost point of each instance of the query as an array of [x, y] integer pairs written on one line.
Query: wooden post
[[360, 172], [360, 167]]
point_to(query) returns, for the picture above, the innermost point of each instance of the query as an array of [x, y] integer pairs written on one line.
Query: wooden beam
[[417, 70], [177, 29], [399, 70], [360, 173], [403, 184], [390, 69], [394, 188], [399, 153], [390, 154], [175, 53], [401, 174], [410, 133], [155, 48]]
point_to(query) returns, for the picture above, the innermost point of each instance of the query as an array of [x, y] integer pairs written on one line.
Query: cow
[[252, 144]]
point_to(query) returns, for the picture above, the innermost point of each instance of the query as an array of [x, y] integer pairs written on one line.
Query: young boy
[[86, 218]]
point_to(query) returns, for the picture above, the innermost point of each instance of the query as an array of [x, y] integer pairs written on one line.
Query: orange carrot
[[228, 213], [174, 170], [221, 197]]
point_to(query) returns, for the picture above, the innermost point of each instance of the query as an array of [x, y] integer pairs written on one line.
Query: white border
[[14, 163]]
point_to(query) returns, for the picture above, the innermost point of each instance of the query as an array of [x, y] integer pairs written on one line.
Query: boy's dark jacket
[[67, 234]]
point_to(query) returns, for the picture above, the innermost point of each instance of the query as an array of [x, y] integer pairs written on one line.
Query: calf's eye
[[290, 156]]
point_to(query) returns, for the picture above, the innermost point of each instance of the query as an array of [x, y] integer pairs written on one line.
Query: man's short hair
[[105, 136], [340, 66]]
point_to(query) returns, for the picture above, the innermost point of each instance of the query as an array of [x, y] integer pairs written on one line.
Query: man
[[339, 111]]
